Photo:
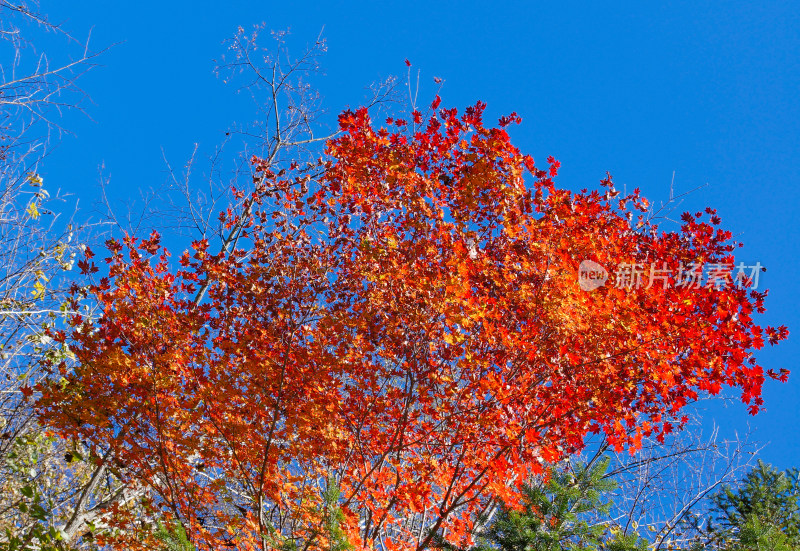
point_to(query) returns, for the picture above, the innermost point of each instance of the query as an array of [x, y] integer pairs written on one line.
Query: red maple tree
[[406, 327]]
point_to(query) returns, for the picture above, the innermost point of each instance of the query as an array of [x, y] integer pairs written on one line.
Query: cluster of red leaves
[[409, 325]]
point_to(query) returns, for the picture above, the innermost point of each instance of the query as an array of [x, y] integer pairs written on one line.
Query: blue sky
[[707, 90]]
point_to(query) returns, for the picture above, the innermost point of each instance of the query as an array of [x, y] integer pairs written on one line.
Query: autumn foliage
[[404, 324]]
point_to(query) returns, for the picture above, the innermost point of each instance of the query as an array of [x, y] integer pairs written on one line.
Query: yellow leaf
[[33, 210], [38, 290]]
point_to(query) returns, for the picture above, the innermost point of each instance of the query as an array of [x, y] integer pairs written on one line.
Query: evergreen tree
[[173, 538], [569, 511], [761, 514]]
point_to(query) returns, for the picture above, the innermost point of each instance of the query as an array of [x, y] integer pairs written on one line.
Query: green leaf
[[39, 513]]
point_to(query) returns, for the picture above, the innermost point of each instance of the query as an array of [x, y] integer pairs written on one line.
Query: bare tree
[[664, 484], [39, 243], [37, 86], [287, 132]]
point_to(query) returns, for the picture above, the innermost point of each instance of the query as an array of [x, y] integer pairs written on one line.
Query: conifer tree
[[568, 511], [761, 514]]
